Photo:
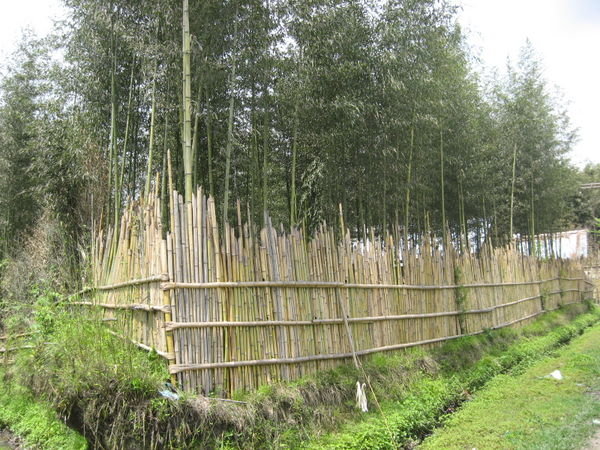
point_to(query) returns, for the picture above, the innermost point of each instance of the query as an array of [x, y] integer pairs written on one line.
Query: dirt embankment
[[8, 441]]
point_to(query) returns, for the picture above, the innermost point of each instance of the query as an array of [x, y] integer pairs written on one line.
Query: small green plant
[[427, 399]]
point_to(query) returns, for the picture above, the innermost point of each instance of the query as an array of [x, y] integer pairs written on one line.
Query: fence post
[[460, 296], [168, 317]]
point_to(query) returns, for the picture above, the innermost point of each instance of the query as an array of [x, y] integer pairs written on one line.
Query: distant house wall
[[566, 244]]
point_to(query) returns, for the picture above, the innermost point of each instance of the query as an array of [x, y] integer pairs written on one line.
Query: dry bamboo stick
[[14, 349], [15, 336], [167, 356]]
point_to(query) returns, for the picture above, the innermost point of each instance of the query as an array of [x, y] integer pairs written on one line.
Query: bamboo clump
[[232, 309]]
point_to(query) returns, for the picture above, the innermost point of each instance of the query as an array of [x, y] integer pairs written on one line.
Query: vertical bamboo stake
[[442, 184], [281, 332], [166, 301]]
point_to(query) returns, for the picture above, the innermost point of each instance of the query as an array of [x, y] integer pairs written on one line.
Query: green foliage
[[82, 355], [333, 102], [85, 373]]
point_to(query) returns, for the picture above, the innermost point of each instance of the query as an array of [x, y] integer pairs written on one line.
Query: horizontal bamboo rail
[[124, 284], [177, 368], [14, 336], [175, 325], [131, 306], [305, 284], [334, 284], [14, 349]]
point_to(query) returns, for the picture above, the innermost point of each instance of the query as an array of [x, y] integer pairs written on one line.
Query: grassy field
[[531, 410]]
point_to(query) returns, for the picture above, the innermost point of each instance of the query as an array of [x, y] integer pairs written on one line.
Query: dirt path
[[594, 443], [8, 441]]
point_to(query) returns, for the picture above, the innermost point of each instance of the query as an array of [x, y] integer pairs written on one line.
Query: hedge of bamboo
[[232, 309]]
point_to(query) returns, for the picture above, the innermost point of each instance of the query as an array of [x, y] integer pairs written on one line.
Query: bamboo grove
[[293, 107]]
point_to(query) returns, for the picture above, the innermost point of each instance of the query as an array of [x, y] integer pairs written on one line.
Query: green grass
[[35, 421], [100, 384], [108, 388], [428, 398], [531, 411]]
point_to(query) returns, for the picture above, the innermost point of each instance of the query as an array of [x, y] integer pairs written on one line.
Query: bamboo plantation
[[289, 107], [279, 202]]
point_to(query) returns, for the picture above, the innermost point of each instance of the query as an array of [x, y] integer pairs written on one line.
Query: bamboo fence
[[231, 309], [591, 266]]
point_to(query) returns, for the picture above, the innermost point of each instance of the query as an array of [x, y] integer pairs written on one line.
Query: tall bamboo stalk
[[125, 141], [512, 191], [195, 134], [293, 202], [408, 179], [151, 143], [114, 153], [442, 184], [533, 251], [209, 145], [265, 161], [187, 105], [229, 144]]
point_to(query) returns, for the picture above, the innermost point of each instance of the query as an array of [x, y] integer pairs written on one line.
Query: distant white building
[[566, 244]]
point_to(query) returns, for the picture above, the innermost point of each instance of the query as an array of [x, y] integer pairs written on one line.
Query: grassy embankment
[[107, 389], [465, 366], [35, 421], [532, 410]]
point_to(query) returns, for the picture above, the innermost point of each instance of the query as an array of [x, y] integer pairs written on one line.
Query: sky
[[564, 33], [566, 36]]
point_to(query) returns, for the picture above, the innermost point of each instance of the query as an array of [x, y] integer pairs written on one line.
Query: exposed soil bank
[[8, 441]]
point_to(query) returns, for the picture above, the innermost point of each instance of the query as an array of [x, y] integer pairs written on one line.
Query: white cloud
[[18, 15], [565, 33]]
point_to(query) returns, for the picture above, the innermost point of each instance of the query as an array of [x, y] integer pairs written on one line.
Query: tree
[[535, 136]]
